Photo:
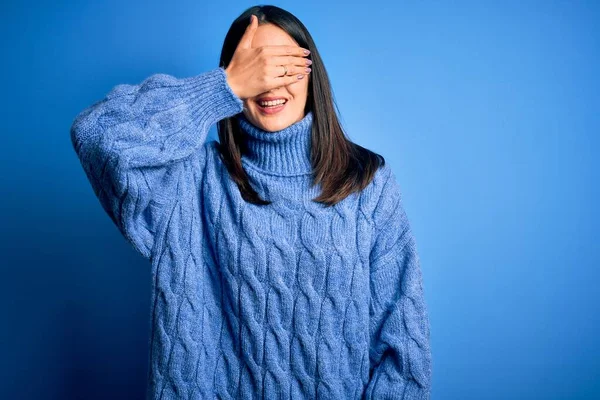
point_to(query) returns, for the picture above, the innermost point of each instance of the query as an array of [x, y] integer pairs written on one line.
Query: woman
[[283, 262]]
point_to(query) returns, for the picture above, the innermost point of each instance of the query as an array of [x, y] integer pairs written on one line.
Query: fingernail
[[307, 70], [306, 51], [308, 62], [300, 76]]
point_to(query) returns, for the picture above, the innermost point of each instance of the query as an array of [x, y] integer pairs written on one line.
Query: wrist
[[231, 82]]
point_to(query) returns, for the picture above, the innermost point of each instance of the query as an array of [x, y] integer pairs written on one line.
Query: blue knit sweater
[[291, 300]]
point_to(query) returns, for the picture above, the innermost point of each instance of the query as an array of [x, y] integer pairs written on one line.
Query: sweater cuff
[[212, 96]]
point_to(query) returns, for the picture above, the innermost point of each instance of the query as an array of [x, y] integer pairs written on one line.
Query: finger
[[277, 70], [285, 50], [288, 60], [289, 79], [246, 40]]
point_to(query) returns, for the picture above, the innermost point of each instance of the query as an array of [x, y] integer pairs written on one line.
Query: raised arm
[[399, 331], [139, 142]]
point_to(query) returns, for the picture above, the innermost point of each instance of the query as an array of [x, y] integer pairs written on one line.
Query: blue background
[[489, 113]]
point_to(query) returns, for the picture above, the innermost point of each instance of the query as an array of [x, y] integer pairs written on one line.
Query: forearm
[[159, 121]]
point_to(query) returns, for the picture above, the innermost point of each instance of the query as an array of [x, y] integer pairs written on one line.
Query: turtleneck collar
[[284, 152]]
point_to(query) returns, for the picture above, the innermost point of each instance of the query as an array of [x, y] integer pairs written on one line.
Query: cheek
[[299, 90]]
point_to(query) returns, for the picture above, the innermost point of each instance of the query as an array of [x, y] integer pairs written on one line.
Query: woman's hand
[[253, 71]]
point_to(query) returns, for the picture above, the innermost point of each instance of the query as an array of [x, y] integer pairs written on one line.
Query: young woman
[[283, 262]]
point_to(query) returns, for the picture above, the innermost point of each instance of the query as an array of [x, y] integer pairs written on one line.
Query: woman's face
[[295, 93]]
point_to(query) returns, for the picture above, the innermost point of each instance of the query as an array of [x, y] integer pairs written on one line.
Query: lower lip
[[271, 110]]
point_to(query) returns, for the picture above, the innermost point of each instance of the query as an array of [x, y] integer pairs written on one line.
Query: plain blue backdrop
[[488, 112]]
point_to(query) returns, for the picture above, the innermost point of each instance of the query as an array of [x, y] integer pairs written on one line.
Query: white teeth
[[271, 103]]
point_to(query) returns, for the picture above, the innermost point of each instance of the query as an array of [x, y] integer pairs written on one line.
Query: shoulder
[[382, 197], [390, 224]]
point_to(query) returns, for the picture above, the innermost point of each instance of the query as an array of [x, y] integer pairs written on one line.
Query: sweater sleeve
[[140, 141], [399, 329]]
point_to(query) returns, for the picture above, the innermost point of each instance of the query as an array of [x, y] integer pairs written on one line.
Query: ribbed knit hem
[[403, 390]]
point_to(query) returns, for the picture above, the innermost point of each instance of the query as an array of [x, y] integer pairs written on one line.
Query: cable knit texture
[[293, 300]]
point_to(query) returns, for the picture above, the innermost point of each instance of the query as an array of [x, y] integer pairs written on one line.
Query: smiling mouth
[[271, 104], [271, 107]]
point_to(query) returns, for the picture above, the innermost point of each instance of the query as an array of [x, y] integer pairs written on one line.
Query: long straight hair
[[339, 165]]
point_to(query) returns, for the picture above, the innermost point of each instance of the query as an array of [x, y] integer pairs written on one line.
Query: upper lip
[[270, 98]]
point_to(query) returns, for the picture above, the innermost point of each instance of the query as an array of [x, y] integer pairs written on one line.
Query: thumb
[[246, 40]]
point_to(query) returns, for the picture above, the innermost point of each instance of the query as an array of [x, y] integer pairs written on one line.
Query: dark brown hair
[[341, 166]]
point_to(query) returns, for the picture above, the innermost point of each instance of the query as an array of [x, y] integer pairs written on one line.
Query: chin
[[275, 122]]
